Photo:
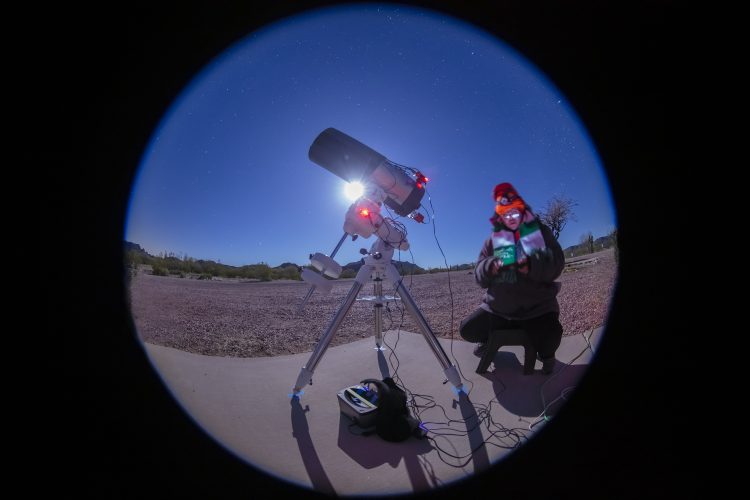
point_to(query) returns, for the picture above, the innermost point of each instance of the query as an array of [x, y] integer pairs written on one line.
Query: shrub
[[158, 270], [348, 273]]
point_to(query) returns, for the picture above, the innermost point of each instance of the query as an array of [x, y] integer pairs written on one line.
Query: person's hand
[[523, 266], [498, 264], [495, 266]]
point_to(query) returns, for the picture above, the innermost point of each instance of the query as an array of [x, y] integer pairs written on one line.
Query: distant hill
[[135, 247], [286, 264], [187, 267]]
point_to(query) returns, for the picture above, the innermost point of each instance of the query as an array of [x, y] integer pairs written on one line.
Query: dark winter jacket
[[532, 294]]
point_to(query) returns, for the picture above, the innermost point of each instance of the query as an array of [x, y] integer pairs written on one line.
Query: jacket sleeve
[[548, 264], [484, 262]]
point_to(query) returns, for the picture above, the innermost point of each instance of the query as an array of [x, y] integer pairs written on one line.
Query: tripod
[[377, 266]]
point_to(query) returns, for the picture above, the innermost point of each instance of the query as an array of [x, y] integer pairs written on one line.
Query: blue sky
[[226, 175]]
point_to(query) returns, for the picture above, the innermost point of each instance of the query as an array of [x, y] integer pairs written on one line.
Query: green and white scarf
[[514, 247]]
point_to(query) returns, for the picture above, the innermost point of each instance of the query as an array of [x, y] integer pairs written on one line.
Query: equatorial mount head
[[363, 218]]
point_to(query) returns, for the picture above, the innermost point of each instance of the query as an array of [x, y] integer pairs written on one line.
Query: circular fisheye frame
[[334, 359]]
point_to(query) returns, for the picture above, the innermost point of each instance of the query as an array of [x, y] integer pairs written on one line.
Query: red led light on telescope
[[421, 179]]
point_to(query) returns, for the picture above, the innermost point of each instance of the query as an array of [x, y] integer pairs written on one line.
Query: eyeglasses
[[512, 215]]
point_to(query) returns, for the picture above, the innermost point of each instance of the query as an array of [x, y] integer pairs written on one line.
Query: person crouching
[[518, 265]]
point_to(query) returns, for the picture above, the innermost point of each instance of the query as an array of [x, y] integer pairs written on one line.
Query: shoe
[[480, 349], [548, 365]]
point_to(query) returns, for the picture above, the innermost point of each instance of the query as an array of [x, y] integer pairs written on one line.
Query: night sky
[[226, 174]]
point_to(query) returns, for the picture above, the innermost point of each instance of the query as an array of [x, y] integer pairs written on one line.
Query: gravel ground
[[251, 319]]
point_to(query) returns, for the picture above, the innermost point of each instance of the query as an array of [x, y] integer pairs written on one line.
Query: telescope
[[351, 160], [385, 182], [400, 188]]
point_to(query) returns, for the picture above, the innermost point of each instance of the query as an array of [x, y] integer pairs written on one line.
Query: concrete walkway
[[245, 404]]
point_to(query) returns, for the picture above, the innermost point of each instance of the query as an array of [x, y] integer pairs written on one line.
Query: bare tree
[[557, 212]]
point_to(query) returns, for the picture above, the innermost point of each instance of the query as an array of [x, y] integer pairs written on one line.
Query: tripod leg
[[378, 314], [305, 375], [450, 370]]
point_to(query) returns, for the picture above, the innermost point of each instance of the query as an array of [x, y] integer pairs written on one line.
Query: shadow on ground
[[526, 395]]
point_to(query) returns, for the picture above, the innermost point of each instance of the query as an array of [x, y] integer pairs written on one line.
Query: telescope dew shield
[[351, 160], [344, 156]]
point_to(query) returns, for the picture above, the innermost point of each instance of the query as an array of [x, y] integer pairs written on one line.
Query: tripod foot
[[458, 390], [451, 373], [304, 378]]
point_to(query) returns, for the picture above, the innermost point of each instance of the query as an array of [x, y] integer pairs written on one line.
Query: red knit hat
[[508, 197]]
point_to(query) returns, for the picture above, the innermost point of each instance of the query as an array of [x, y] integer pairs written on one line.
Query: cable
[[450, 289], [428, 213], [420, 404], [543, 416], [398, 226], [398, 337], [403, 168], [401, 227], [389, 222], [588, 340]]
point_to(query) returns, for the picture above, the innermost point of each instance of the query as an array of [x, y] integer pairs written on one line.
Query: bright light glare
[[354, 190]]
